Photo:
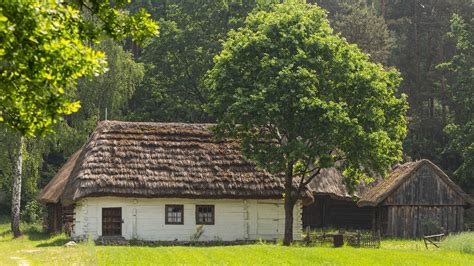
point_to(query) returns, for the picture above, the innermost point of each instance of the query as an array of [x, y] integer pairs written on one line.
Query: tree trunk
[[16, 191], [289, 206]]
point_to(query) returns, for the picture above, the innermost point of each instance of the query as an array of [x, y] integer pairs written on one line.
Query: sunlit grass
[[463, 242], [36, 248]]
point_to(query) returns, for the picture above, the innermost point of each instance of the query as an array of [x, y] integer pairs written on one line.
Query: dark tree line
[[429, 42]]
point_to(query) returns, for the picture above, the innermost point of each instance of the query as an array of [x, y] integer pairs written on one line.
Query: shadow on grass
[[35, 233], [32, 232], [5, 233], [54, 242], [5, 229]]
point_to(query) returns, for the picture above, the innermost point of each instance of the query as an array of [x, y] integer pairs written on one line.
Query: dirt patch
[[30, 251], [21, 261]]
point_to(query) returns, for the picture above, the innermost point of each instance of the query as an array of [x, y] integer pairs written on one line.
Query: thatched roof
[[330, 182], [387, 186], [53, 190], [159, 160]]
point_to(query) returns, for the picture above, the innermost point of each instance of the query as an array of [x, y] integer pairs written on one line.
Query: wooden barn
[[161, 181], [334, 207], [416, 199]]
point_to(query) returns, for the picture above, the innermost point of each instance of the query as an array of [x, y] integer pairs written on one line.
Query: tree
[[460, 92], [420, 27], [300, 99], [43, 54], [12, 164], [111, 91], [177, 61], [360, 25]]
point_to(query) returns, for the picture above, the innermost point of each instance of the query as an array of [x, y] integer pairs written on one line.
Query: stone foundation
[[123, 242]]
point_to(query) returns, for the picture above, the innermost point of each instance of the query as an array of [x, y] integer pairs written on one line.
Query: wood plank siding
[[424, 204], [327, 212], [58, 218], [416, 221]]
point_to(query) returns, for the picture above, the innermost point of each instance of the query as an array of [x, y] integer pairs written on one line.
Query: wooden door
[[268, 220], [111, 221]]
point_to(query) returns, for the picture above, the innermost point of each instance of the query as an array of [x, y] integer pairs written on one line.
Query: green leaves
[[296, 94], [44, 53], [461, 98], [191, 34]]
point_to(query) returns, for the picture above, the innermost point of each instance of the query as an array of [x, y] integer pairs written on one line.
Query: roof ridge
[[384, 189], [120, 122]]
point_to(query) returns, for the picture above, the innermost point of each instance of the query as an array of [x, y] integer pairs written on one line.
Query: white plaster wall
[[235, 219]]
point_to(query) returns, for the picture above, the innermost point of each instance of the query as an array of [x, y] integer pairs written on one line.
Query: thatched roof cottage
[[159, 181]]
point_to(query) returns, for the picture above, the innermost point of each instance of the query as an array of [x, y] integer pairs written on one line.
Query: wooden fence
[[353, 239]]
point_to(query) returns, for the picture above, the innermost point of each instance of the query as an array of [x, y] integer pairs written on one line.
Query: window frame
[[213, 208], [174, 206]]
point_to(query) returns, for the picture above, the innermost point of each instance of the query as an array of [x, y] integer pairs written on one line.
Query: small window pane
[[204, 214], [174, 214]]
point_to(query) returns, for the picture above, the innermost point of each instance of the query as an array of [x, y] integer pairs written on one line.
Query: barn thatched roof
[[159, 160], [387, 186], [330, 182]]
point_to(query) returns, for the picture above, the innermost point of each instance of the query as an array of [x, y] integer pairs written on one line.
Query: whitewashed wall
[[144, 219]]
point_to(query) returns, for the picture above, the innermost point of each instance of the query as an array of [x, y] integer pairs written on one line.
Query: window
[[174, 214], [204, 214]]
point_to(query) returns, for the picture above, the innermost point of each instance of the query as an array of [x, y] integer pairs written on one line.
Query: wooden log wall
[[327, 212], [57, 216], [53, 218]]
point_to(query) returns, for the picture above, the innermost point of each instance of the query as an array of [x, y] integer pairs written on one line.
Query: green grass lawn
[[35, 248]]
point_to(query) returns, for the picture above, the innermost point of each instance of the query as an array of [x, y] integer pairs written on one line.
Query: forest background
[[431, 42]]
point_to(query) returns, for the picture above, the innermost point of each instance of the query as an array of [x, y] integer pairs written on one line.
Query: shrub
[[33, 212], [431, 227], [462, 242]]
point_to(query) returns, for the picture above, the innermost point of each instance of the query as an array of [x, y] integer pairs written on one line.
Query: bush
[[462, 242], [431, 227], [33, 212]]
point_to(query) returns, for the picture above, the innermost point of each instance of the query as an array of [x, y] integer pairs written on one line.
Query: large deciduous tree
[[43, 53], [300, 99], [44, 49]]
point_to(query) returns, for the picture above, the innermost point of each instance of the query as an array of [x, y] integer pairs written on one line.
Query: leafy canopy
[[301, 98], [191, 34], [461, 98], [360, 25], [43, 53]]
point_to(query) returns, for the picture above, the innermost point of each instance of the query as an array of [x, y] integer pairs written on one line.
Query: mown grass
[[36, 248], [463, 242], [277, 255]]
